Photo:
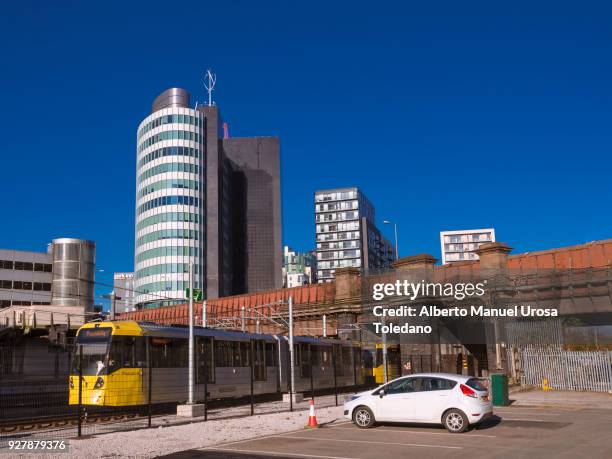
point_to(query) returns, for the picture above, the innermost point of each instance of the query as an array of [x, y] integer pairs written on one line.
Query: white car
[[454, 401]]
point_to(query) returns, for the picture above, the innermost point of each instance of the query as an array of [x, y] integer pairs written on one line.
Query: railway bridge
[[575, 281]]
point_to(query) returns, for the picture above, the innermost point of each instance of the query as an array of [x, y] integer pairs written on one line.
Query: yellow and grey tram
[[117, 356]]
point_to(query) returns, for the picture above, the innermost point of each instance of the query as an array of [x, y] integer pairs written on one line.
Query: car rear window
[[476, 384], [437, 384]]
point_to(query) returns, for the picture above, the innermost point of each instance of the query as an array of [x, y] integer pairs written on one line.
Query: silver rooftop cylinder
[[173, 97], [73, 273]]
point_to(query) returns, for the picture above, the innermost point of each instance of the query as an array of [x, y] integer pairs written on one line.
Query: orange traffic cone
[[312, 417]]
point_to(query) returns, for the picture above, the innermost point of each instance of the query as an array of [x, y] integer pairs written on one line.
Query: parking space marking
[[270, 453], [417, 432], [421, 445], [521, 419]]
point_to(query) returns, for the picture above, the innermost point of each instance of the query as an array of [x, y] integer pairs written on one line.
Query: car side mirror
[[381, 393]]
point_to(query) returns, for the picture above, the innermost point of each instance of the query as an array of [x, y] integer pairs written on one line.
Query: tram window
[[338, 357], [346, 356], [168, 352], [315, 356], [271, 356], [304, 360], [94, 356], [236, 354], [358, 356], [245, 352], [127, 352], [259, 364], [204, 360], [324, 353], [224, 353]]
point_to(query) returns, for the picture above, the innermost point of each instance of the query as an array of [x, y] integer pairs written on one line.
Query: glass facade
[[169, 205]]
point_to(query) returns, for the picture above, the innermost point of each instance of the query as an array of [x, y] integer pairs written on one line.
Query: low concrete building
[[42, 289]]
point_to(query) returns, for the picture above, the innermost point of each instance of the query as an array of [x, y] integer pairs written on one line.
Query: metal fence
[[565, 370], [50, 393]]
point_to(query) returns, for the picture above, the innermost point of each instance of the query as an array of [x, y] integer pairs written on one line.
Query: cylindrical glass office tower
[[169, 201]]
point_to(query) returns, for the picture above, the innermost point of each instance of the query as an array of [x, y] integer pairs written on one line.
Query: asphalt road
[[515, 432]]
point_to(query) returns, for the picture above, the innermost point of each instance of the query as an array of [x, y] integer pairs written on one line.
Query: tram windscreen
[[94, 342], [94, 359]]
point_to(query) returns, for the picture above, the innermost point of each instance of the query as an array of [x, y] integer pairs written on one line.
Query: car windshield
[[476, 384]]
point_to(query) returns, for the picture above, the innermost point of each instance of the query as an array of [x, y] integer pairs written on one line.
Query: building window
[[6, 264]]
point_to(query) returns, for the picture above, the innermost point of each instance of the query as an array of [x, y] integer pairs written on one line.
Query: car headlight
[[353, 397]]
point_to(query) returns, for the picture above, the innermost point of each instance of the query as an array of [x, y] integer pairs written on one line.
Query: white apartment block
[[462, 245]]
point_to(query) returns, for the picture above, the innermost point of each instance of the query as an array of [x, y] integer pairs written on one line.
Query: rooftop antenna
[[210, 79]]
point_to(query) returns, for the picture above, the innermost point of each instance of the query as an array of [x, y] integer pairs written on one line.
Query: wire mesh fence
[[84, 390]]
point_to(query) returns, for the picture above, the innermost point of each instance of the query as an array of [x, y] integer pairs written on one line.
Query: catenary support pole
[[252, 361], [206, 390], [396, 242], [150, 382], [204, 313], [289, 380], [190, 383], [324, 326], [291, 347]]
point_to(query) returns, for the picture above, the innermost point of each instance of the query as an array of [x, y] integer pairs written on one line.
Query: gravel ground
[[147, 443]]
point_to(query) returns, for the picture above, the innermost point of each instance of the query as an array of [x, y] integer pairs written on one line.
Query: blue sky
[[448, 115]]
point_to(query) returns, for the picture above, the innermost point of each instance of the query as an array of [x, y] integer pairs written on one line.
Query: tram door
[[204, 360]]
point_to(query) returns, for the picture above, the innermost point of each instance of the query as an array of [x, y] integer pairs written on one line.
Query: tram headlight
[[99, 383]]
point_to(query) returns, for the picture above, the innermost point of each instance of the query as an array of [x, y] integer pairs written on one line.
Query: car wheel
[[363, 417], [455, 421]]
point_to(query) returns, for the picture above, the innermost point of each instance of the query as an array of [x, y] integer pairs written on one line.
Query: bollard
[[545, 384]]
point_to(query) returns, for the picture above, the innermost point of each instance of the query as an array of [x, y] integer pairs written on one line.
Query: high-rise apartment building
[[206, 200], [462, 245], [298, 268], [347, 235]]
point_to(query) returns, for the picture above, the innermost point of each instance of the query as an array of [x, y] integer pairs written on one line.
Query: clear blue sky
[[448, 115]]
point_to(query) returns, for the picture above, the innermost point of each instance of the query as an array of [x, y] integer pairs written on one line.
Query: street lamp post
[[388, 222]]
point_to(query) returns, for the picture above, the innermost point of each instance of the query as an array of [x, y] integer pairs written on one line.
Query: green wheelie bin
[[499, 390]]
